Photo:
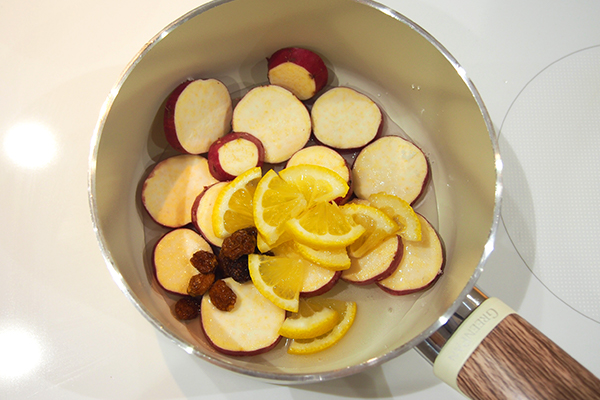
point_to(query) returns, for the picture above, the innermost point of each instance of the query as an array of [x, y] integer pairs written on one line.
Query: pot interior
[[425, 95]]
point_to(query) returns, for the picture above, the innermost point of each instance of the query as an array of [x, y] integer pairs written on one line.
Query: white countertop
[[66, 330]]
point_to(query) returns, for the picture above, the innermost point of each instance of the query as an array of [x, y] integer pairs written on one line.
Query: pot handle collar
[[487, 351]]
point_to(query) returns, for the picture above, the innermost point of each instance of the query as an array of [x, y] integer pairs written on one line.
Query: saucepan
[[425, 93]]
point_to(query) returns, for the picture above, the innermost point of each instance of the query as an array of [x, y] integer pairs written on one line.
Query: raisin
[[186, 308], [237, 269], [204, 261], [221, 296], [240, 243], [199, 284]]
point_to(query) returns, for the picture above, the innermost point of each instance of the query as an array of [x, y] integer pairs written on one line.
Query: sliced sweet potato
[[170, 190], [343, 118], [299, 70], [197, 113], [277, 118], [391, 165]]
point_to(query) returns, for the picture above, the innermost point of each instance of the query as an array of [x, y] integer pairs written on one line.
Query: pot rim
[[292, 378]]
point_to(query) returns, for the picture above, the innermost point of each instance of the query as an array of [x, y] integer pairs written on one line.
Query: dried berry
[[204, 261], [199, 284], [221, 296], [186, 308], [237, 269], [240, 243]]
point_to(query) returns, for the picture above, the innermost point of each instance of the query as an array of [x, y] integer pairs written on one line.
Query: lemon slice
[[336, 258], [278, 278], [317, 279], [315, 182], [378, 227], [347, 310], [275, 201], [286, 249], [324, 226], [401, 212], [311, 320], [264, 247], [233, 206]]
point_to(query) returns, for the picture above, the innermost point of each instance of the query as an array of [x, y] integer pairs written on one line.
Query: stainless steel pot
[[423, 90]]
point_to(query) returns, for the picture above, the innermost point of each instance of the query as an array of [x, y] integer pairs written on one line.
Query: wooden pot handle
[[502, 356]]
